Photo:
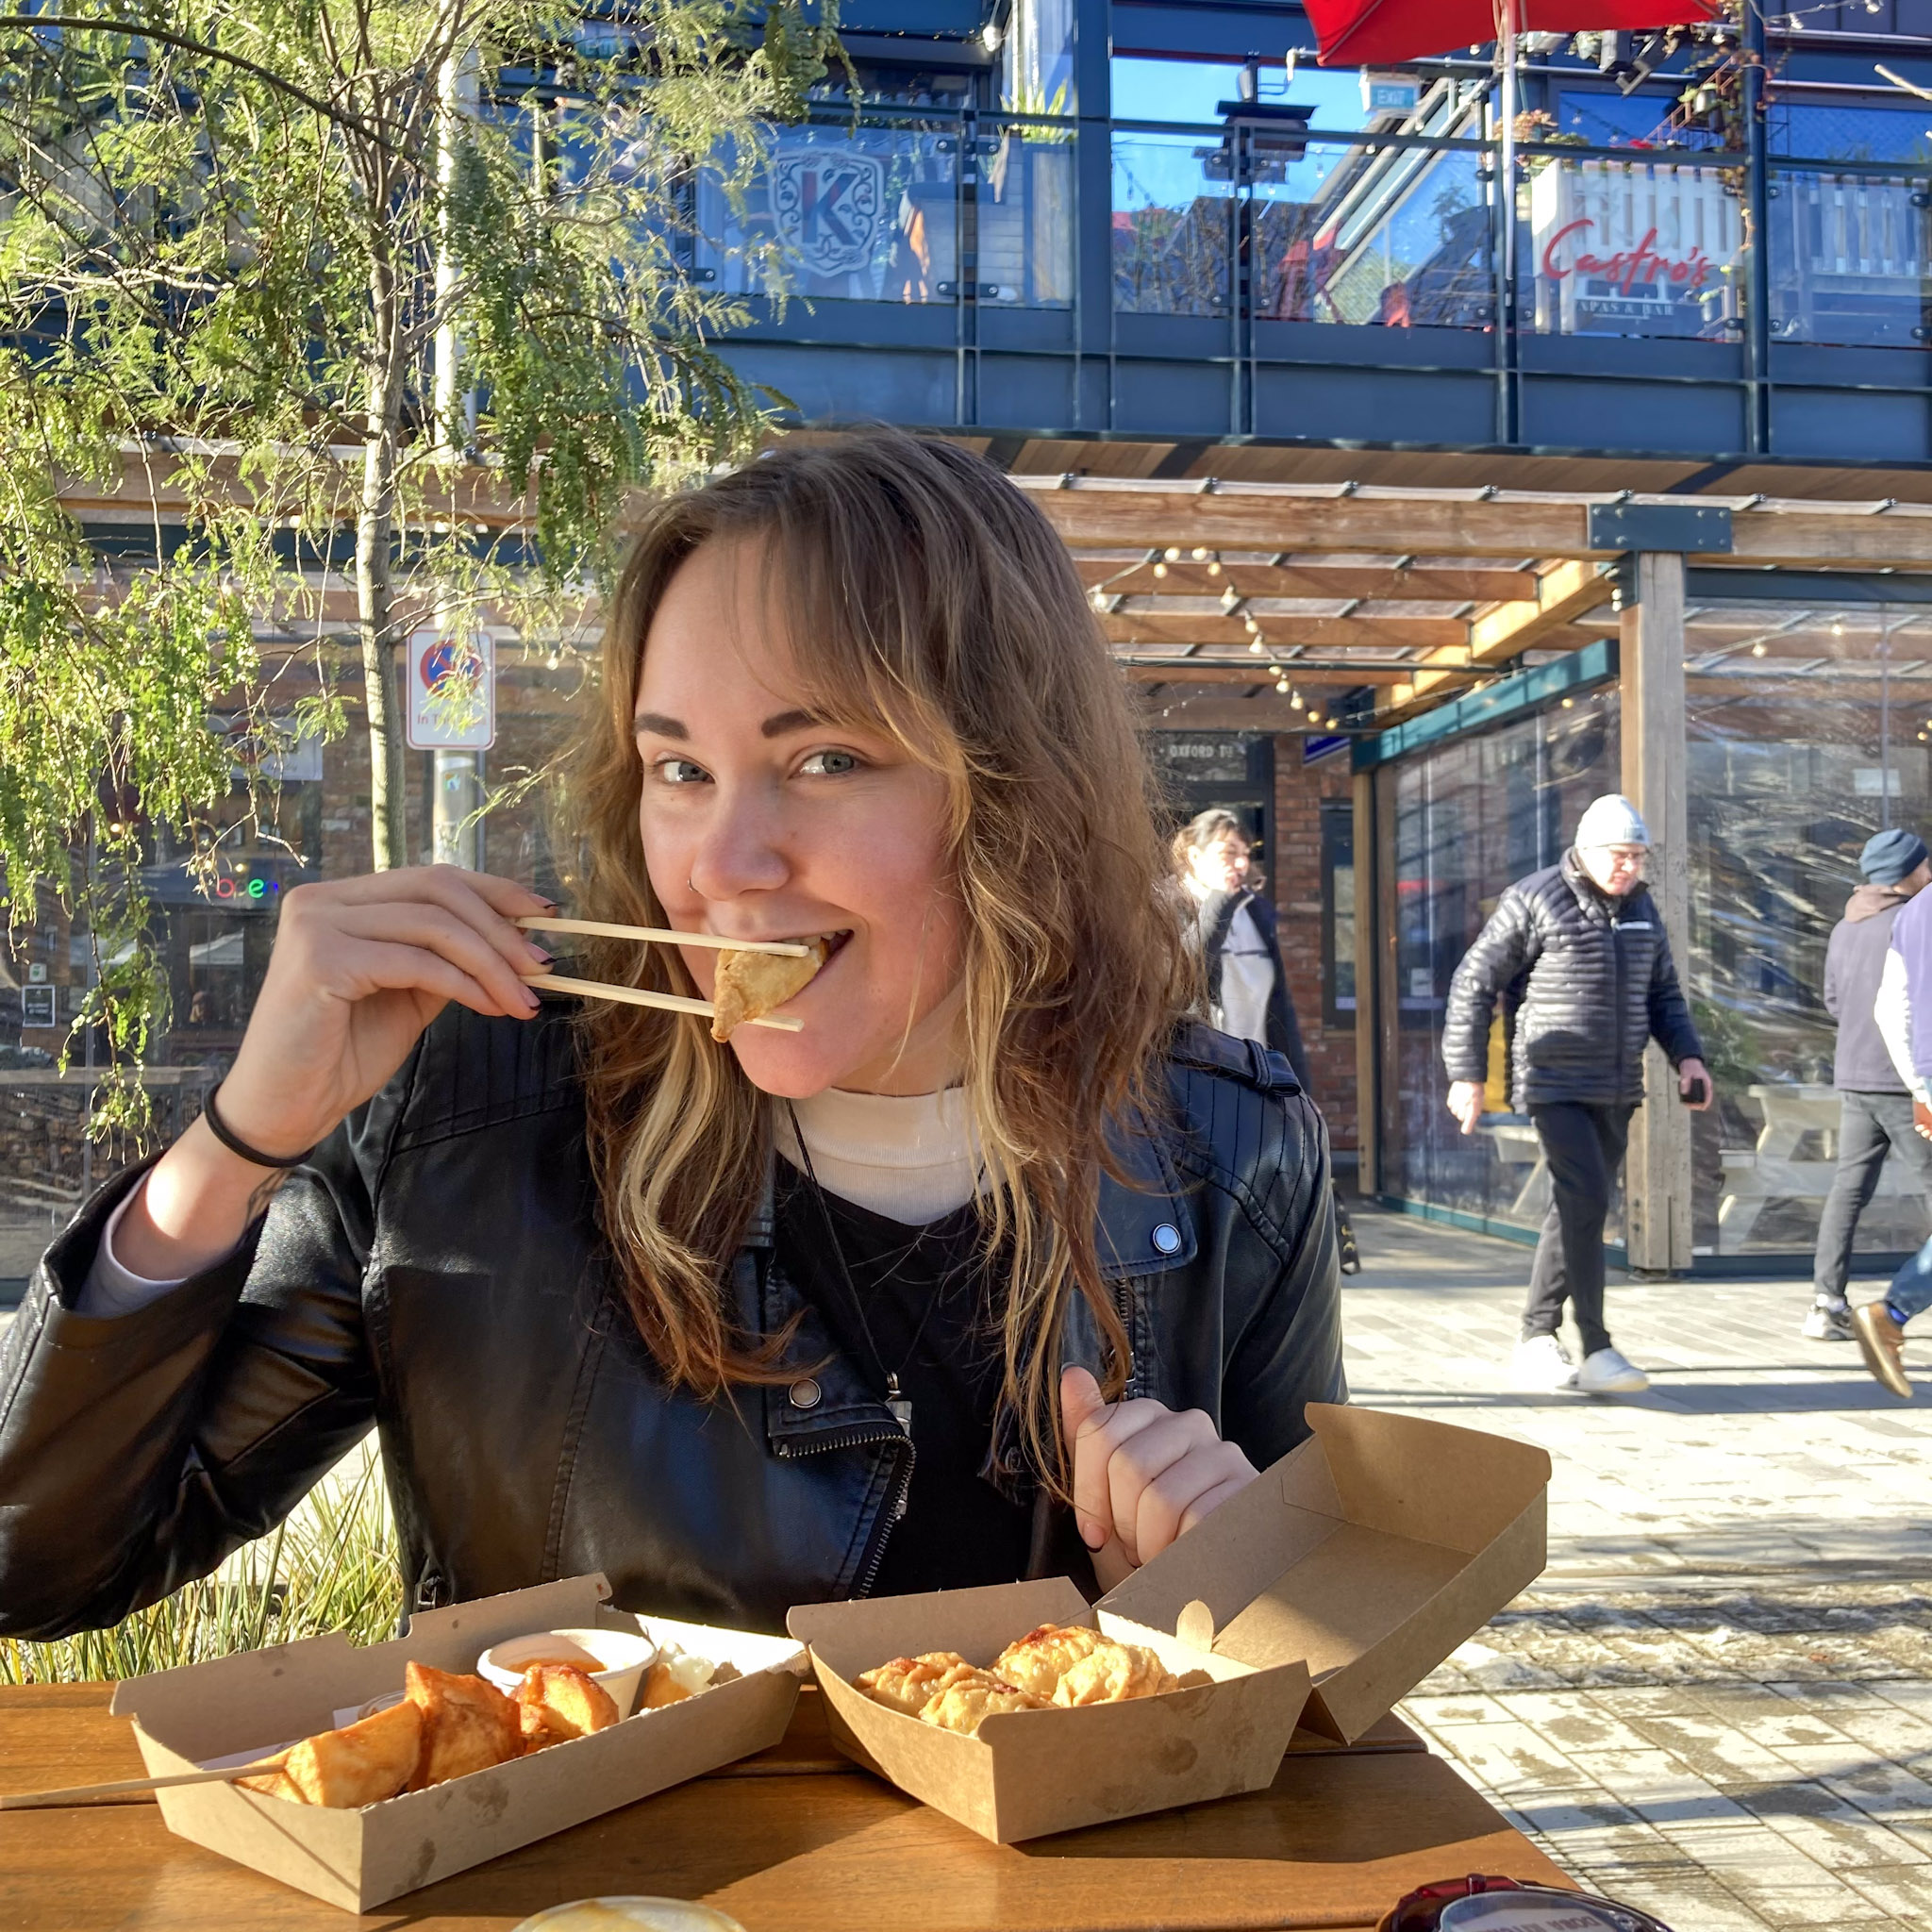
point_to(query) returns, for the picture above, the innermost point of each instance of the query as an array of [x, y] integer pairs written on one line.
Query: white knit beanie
[[1611, 820]]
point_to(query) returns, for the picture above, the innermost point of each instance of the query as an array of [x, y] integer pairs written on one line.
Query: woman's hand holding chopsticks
[[360, 968]]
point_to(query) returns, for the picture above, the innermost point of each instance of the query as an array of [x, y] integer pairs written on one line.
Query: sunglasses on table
[[1478, 1904]]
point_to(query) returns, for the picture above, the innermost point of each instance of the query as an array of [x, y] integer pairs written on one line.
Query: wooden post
[[1368, 1109], [1656, 1176]]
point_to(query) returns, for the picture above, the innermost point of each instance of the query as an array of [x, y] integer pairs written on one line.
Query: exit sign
[[1390, 93]]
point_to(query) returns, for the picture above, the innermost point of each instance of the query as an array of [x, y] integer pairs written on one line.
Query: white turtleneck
[[911, 1158]]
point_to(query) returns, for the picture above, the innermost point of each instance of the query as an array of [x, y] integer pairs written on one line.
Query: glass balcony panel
[[1633, 249], [866, 214], [1396, 238], [1848, 258], [1023, 211], [1172, 224]]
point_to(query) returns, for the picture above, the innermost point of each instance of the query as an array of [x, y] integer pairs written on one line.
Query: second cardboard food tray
[[1320, 1594]]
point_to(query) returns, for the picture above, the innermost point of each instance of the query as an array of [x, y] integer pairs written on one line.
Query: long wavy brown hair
[[922, 595]]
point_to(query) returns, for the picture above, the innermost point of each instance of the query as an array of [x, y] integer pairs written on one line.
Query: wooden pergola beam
[[1173, 630], [1402, 523], [1475, 583], [1306, 677]]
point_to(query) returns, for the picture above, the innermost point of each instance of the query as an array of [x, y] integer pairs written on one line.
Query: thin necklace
[[897, 1399]]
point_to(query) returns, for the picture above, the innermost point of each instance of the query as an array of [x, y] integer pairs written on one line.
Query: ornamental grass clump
[[331, 1566]]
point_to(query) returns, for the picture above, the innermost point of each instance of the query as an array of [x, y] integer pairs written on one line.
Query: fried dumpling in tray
[[360, 1764], [468, 1725], [910, 1683], [979, 1695]]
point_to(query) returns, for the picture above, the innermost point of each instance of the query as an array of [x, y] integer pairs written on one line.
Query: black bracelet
[[235, 1144]]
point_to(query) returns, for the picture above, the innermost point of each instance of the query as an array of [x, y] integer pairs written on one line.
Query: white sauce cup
[[622, 1658]]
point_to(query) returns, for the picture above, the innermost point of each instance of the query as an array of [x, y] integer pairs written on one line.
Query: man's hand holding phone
[[1694, 1085]]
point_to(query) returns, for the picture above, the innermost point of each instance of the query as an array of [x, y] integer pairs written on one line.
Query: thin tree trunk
[[374, 586]]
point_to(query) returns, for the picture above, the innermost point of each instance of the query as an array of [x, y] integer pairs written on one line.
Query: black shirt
[[927, 1319]]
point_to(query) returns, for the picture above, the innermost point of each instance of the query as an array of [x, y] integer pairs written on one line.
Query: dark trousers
[[1583, 1146], [1869, 1127]]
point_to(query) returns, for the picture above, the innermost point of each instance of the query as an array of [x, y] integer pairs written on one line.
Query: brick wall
[[1296, 880]]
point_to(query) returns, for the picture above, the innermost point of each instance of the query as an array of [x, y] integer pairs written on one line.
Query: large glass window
[[1807, 734], [1461, 822]]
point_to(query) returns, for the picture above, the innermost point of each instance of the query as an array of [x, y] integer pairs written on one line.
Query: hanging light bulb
[[1160, 570], [1229, 598], [1569, 704], [1200, 553], [1253, 627], [1173, 552], [551, 663], [1838, 630], [1758, 649], [1214, 568], [1281, 684], [1295, 701], [1256, 647]]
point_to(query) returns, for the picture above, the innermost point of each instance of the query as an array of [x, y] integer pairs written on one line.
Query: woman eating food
[[963, 1258]]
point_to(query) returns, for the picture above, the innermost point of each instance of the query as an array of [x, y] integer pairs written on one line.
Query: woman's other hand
[[1143, 1474], [360, 968]]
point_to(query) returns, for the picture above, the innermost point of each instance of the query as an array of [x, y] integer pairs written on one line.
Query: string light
[[1229, 598], [1281, 684], [1758, 649], [1214, 568], [1569, 704], [1295, 701], [1838, 630], [1256, 647], [1174, 555], [1099, 599], [1160, 570], [1252, 626], [1200, 553]]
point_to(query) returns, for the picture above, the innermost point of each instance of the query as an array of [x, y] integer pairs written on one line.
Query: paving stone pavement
[[1717, 1702]]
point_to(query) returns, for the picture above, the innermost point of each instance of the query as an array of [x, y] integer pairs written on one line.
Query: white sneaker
[[1541, 1364], [1607, 1373]]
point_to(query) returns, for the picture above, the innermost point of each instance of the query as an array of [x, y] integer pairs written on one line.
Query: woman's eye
[[679, 772], [829, 764]]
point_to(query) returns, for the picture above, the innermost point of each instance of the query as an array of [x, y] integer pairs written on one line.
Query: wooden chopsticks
[[602, 929], [639, 997], [132, 1788]]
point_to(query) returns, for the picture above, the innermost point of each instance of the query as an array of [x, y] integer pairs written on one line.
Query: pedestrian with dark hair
[[1875, 1102], [1583, 944]]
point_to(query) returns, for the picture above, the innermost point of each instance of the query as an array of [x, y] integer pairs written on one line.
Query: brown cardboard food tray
[[1360, 1561], [259, 1700], [1031, 1772]]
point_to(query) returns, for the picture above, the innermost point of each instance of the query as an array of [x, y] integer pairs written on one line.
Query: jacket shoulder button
[[803, 1393], [1167, 1239]]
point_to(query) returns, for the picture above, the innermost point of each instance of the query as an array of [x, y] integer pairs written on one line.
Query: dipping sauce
[[582, 1661]]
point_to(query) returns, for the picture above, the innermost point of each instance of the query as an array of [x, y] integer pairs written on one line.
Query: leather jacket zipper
[[429, 1591], [894, 1507]]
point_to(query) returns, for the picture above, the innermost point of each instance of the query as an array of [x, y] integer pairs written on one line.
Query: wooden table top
[[796, 1840]]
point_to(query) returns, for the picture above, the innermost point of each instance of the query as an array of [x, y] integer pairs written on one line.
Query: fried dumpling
[[962, 1705], [558, 1702], [468, 1725], [1113, 1673], [746, 986], [910, 1683], [360, 1764], [1039, 1660]]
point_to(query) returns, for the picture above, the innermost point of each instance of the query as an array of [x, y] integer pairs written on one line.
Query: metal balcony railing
[[1258, 223]]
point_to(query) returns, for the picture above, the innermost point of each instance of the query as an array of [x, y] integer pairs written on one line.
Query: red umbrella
[[1362, 32]]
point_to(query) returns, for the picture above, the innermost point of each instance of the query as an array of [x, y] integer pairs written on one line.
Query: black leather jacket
[[1587, 981], [436, 1271]]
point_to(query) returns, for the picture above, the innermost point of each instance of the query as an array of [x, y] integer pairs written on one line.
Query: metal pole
[[1758, 259], [1510, 425], [455, 791]]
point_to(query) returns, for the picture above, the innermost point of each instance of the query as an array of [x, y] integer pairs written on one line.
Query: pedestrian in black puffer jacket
[[1579, 952]]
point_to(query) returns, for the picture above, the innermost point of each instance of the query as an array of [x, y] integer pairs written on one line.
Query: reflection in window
[[1801, 746]]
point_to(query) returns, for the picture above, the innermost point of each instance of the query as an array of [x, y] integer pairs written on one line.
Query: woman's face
[[1221, 865], [762, 822]]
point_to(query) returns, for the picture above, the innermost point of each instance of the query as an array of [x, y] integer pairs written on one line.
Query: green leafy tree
[[390, 293]]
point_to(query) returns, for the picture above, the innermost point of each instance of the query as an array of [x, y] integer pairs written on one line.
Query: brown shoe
[[1881, 1342]]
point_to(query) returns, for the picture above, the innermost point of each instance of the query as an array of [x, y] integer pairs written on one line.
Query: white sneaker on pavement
[[1607, 1372], [1541, 1364]]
